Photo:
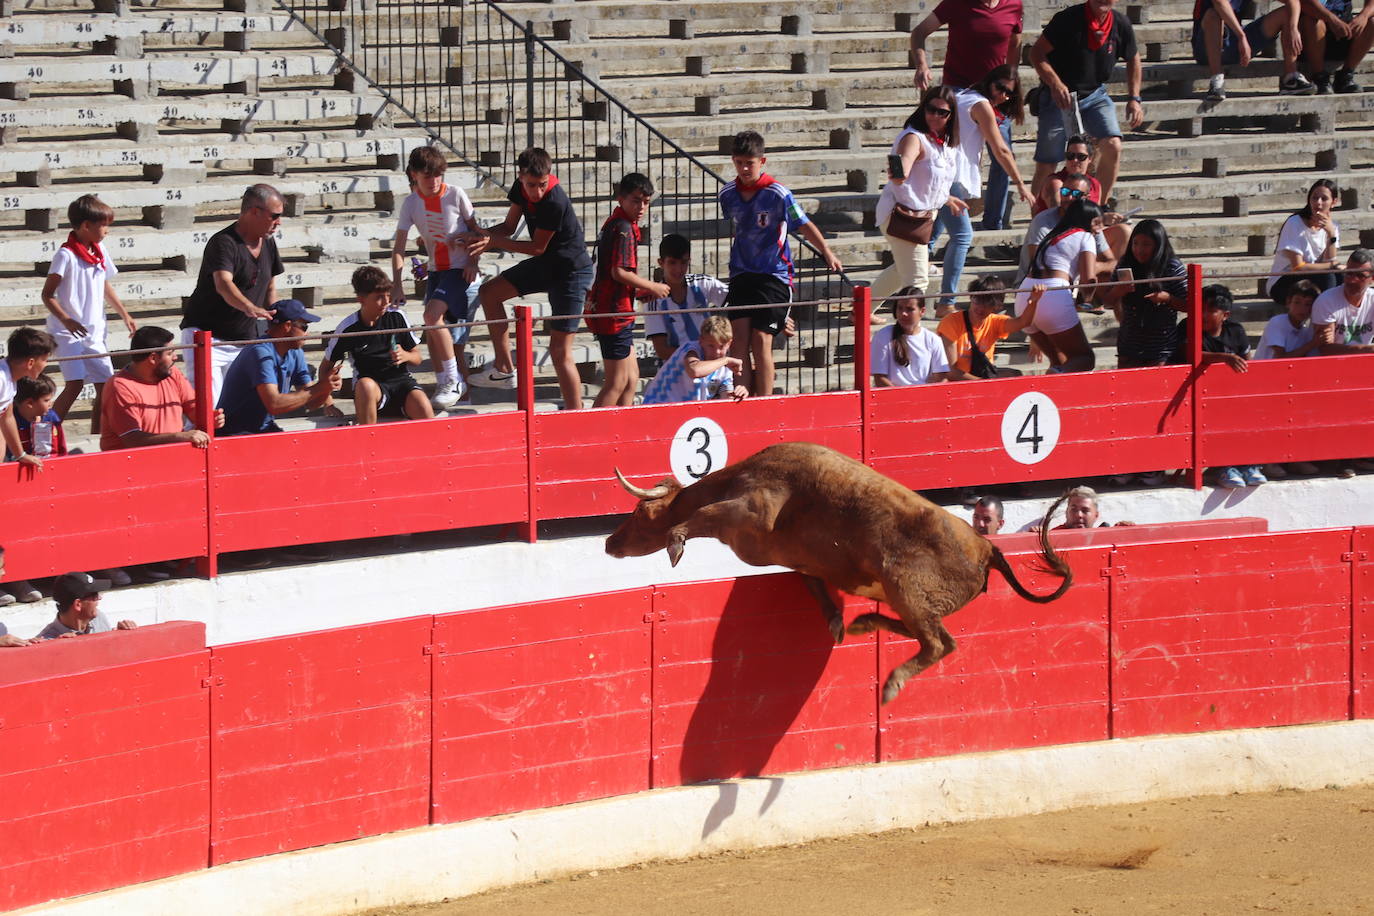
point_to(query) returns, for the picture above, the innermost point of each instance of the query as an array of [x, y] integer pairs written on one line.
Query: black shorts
[[394, 392], [760, 289], [618, 345]]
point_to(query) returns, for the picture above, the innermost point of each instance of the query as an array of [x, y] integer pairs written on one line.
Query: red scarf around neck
[[1098, 29], [90, 254]]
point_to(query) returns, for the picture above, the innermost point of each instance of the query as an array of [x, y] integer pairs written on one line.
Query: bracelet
[[1135, 98]]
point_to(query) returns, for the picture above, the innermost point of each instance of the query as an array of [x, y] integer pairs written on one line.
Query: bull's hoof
[[891, 689], [837, 629]]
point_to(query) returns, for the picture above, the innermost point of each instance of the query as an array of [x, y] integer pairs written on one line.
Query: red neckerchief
[[553, 183], [619, 213], [763, 181], [937, 140], [91, 254], [1098, 29]]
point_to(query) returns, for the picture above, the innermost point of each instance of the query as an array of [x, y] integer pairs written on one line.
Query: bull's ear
[[677, 540]]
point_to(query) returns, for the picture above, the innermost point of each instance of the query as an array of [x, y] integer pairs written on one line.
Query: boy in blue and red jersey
[[762, 213]]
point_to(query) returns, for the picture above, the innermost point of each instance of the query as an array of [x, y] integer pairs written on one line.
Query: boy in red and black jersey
[[611, 303]]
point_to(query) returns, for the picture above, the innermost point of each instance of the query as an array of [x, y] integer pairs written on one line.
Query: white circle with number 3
[[698, 449], [1030, 428]]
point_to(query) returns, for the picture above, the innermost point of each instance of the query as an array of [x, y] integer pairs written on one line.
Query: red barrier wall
[[110, 509], [1362, 624], [576, 452], [541, 704], [952, 435], [105, 767], [368, 481], [320, 737], [1232, 633], [1285, 410]]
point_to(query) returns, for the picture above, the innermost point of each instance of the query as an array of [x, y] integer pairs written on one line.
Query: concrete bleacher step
[[127, 76], [29, 33]]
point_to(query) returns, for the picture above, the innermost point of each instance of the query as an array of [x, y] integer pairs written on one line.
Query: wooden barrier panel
[[320, 737], [1068, 426], [541, 704], [747, 682], [351, 482], [1362, 624], [1285, 410], [1231, 633], [576, 452], [104, 769], [1023, 675], [140, 505]]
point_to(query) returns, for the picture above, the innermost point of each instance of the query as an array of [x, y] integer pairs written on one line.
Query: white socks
[[448, 371]]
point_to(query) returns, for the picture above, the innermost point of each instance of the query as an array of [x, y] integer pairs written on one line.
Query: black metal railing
[[486, 86]]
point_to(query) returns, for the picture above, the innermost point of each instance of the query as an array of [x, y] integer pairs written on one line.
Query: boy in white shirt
[[438, 212], [75, 294], [667, 327], [1289, 335], [701, 369]]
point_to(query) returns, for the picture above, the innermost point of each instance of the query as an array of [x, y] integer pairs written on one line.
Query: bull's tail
[[1051, 562]]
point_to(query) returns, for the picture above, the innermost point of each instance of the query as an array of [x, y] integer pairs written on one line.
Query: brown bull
[[840, 523]]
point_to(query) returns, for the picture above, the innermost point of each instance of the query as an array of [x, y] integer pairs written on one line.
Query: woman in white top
[[1308, 240], [997, 96], [929, 148], [906, 353], [1067, 256]]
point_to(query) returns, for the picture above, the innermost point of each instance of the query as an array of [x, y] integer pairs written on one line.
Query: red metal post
[[524, 327], [863, 379], [208, 565], [1195, 360]]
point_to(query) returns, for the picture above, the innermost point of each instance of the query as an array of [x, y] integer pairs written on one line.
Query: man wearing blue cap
[[268, 379]]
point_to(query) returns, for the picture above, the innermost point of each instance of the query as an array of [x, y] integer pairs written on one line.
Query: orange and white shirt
[[437, 219]]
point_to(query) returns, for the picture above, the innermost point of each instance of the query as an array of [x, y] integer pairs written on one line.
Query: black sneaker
[[1344, 82], [1322, 79]]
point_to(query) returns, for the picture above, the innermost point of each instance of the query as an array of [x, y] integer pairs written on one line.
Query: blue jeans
[[960, 229], [997, 193]]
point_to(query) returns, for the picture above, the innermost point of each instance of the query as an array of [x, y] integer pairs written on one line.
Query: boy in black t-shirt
[[1223, 340], [382, 385], [559, 265]]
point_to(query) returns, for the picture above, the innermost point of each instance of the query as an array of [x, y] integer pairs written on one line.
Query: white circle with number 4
[[1030, 428], [698, 449]]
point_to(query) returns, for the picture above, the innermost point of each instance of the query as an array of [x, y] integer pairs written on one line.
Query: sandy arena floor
[[1295, 853]]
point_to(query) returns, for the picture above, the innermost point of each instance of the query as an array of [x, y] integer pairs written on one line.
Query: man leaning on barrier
[[149, 401], [269, 379]]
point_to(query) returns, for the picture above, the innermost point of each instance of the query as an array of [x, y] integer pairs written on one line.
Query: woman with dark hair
[[1308, 239], [906, 353], [1067, 256], [1148, 309], [997, 96], [929, 149]]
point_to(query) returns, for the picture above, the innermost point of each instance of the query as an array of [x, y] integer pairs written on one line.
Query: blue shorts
[[618, 345], [1097, 111], [1230, 48], [567, 290], [459, 304]]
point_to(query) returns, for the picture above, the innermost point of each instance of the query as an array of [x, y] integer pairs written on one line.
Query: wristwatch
[[1135, 98]]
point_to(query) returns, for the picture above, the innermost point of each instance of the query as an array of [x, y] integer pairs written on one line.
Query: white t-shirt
[[971, 143], [6, 385], [1279, 332], [925, 354], [436, 219], [703, 292], [1039, 228], [1307, 244], [81, 292], [1353, 324], [1064, 253], [927, 187]]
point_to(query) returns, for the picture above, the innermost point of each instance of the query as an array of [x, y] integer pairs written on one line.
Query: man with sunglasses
[[269, 379], [1074, 187], [983, 35], [237, 279], [1076, 53]]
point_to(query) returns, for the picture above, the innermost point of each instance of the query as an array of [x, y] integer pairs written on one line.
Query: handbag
[[914, 226], [979, 364]]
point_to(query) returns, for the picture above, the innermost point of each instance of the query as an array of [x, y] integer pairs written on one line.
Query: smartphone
[[1132, 212], [1125, 275], [894, 166]]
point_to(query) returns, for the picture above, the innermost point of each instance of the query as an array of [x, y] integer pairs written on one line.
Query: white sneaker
[[445, 395], [6, 599], [489, 377], [24, 591]]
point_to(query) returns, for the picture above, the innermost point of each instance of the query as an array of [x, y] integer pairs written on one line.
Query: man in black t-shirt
[[1076, 53], [559, 265], [237, 280], [382, 385]]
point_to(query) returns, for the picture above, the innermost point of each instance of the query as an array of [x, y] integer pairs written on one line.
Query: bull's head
[[651, 526]]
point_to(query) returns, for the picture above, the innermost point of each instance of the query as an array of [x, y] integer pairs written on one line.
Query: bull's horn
[[637, 492]]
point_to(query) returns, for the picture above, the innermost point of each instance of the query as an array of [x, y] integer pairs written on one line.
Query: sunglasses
[[1077, 157], [1071, 192], [273, 214], [938, 111], [1004, 88]]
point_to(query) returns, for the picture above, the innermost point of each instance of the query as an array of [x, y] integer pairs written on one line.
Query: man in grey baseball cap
[[78, 607]]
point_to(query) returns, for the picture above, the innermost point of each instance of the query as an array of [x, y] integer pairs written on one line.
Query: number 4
[[1033, 421]]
